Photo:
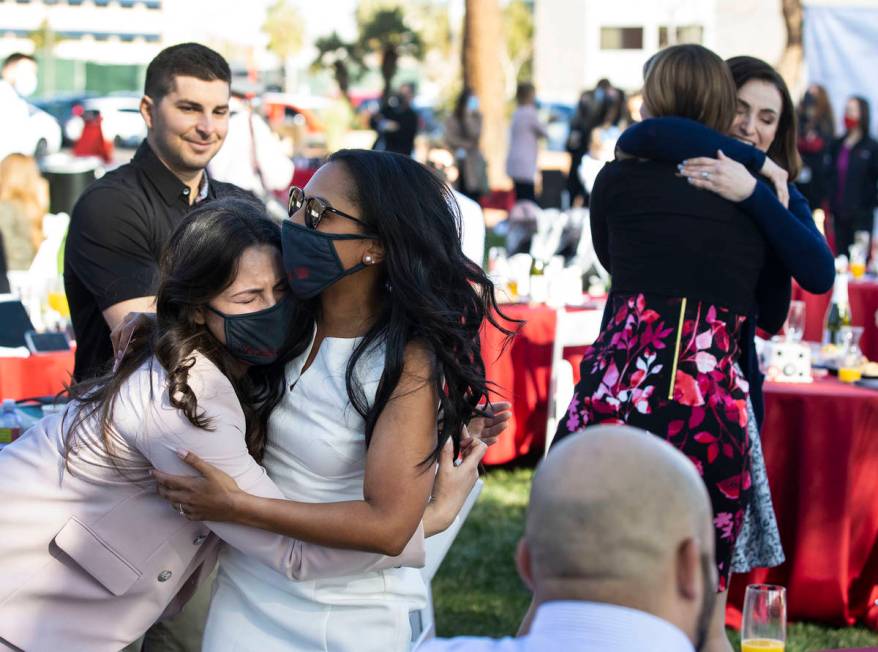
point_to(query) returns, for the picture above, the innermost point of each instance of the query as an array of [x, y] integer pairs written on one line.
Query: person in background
[[92, 141], [617, 549], [816, 133], [524, 135], [24, 201], [397, 123], [608, 126], [252, 156], [121, 223], [852, 193], [472, 217], [463, 129], [579, 137], [18, 80]]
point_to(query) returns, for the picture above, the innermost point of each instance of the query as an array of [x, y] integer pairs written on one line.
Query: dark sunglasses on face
[[315, 209]]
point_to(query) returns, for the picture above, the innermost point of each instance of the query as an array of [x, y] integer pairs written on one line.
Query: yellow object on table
[[850, 374], [762, 645]]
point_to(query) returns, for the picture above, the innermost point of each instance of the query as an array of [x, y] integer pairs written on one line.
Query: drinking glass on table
[[764, 627], [795, 326]]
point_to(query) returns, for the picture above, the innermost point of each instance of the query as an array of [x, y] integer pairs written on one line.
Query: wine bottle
[[839, 313]]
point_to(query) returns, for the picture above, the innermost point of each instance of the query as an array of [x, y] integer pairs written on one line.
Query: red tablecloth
[[821, 455], [43, 374], [521, 374], [863, 296]]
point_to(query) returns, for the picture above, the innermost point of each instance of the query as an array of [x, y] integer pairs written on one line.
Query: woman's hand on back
[[210, 496], [723, 176], [453, 483]]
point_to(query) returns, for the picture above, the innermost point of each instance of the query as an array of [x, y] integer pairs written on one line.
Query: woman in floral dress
[[685, 265]]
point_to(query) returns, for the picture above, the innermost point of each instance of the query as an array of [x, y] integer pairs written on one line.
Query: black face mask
[[311, 261], [258, 337]]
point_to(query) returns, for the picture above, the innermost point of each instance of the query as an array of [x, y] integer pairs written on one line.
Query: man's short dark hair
[[184, 60], [15, 57]]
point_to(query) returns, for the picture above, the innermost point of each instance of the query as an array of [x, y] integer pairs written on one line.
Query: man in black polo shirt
[[122, 221]]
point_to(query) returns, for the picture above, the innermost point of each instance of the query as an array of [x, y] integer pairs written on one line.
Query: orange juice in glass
[[858, 268], [764, 625], [761, 645], [58, 302]]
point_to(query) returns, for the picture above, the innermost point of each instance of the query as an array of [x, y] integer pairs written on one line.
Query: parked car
[[44, 132], [63, 107], [122, 123]]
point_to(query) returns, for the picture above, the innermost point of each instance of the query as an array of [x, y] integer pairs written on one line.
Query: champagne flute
[[795, 326], [765, 618]]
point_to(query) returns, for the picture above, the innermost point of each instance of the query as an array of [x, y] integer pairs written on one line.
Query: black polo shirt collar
[[166, 182]]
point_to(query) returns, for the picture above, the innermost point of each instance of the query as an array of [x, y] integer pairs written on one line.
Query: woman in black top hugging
[[685, 266]]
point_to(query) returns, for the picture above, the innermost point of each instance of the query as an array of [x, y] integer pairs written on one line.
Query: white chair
[[423, 622], [577, 328]]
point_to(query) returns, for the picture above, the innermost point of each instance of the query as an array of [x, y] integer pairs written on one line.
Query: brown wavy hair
[[199, 262], [690, 81], [783, 149]]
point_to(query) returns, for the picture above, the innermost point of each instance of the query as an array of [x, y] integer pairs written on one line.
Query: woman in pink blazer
[[90, 555]]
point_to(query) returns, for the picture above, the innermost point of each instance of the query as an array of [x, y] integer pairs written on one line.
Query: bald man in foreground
[[617, 549]]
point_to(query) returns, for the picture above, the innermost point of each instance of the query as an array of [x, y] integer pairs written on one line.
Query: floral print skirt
[[667, 365]]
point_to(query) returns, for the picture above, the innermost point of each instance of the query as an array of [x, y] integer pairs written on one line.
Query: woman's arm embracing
[[167, 433], [397, 484]]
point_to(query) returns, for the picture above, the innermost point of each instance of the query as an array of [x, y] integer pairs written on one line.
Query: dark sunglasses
[[315, 209]]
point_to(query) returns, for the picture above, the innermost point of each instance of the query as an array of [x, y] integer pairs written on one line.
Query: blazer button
[[197, 541], [164, 576]]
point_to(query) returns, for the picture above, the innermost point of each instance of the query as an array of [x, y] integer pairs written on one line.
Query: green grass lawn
[[477, 591]]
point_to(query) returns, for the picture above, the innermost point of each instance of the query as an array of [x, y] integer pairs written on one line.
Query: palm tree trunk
[[790, 64], [483, 56]]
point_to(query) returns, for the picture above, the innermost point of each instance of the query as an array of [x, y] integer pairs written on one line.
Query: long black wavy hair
[[199, 262], [432, 293]]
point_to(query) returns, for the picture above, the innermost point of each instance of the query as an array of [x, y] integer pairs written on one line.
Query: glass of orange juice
[[764, 628]]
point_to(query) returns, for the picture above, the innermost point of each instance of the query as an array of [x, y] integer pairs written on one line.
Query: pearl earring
[[368, 259]]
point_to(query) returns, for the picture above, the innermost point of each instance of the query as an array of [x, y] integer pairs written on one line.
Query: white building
[[100, 31], [578, 42]]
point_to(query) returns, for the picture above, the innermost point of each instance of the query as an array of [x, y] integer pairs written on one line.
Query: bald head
[[611, 505]]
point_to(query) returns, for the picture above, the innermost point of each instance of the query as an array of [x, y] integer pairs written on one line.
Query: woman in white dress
[[387, 339]]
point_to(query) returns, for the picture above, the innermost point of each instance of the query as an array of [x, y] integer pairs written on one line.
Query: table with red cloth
[[42, 374], [521, 374], [863, 298], [821, 456]]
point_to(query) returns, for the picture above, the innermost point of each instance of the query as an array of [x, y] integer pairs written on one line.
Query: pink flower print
[[705, 361], [640, 398], [686, 390], [730, 487], [704, 340], [725, 523], [712, 444], [573, 415]]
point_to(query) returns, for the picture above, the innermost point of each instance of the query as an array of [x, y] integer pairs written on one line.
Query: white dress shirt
[[575, 626], [252, 157], [15, 136], [472, 228]]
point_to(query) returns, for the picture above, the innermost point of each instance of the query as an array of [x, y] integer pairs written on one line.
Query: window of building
[[101, 3], [684, 33], [621, 38]]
